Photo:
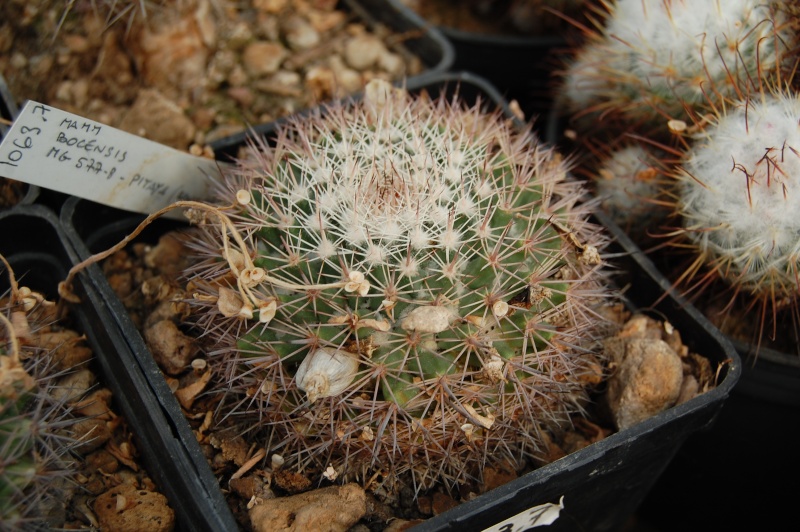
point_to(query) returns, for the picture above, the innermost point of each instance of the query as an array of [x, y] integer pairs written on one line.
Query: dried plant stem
[[248, 277]]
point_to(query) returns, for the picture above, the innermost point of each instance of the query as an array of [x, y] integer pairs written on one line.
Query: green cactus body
[[433, 276]]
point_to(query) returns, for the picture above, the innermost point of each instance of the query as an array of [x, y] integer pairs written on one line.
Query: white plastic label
[[61, 151], [542, 515]]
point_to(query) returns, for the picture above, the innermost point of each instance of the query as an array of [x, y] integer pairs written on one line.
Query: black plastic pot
[[40, 254], [521, 66], [604, 483], [733, 475], [748, 463]]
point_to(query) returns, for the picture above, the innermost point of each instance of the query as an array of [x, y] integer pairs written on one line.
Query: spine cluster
[[711, 85], [739, 197], [34, 418], [653, 61]]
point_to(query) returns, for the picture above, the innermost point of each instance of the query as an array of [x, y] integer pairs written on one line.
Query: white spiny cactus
[[656, 60], [740, 196]]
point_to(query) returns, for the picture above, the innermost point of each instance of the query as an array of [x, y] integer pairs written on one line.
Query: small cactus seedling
[[401, 284], [739, 201], [658, 60], [632, 186]]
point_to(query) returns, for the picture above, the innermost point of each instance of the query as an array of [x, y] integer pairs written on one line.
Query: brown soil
[[187, 73], [11, 192], [192, 71], [103, 460]]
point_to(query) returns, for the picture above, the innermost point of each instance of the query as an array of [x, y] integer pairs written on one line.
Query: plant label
[[67, 153], [541, 515]]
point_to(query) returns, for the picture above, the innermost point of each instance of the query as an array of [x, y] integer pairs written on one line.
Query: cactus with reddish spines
[[739, 200], [34, 445], [652, 61], [401, 284]]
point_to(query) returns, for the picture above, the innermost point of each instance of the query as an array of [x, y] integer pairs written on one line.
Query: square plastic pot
[[602, 484], [520, 65], [32, 241], [732, 475], [735, 476]]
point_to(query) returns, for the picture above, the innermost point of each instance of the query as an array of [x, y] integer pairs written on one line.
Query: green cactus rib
[[444, 250]]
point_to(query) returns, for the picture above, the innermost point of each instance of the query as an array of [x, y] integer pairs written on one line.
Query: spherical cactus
[[402, 284], [655, 60], [633, 188], [739, 200], [34, 451]]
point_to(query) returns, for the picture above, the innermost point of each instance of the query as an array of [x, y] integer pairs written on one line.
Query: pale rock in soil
[[324, 21], [241, 95], [282, 83], [66, 348], [168, 256], [362, 51], [91, 433], [332, 509], [299, 33], [157, 118], [689, 389], [73, 386], [96, 405], [270, 6], [347, 79], [239, 36], [174, 57], [392, 63], [647, 379], [261, 58], [125, 507], [172, 350], [77, 44]]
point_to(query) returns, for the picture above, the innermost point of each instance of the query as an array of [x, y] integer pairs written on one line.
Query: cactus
[[34, 459], [739, 203], [654, 60], [400, 285], [631, 182]]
